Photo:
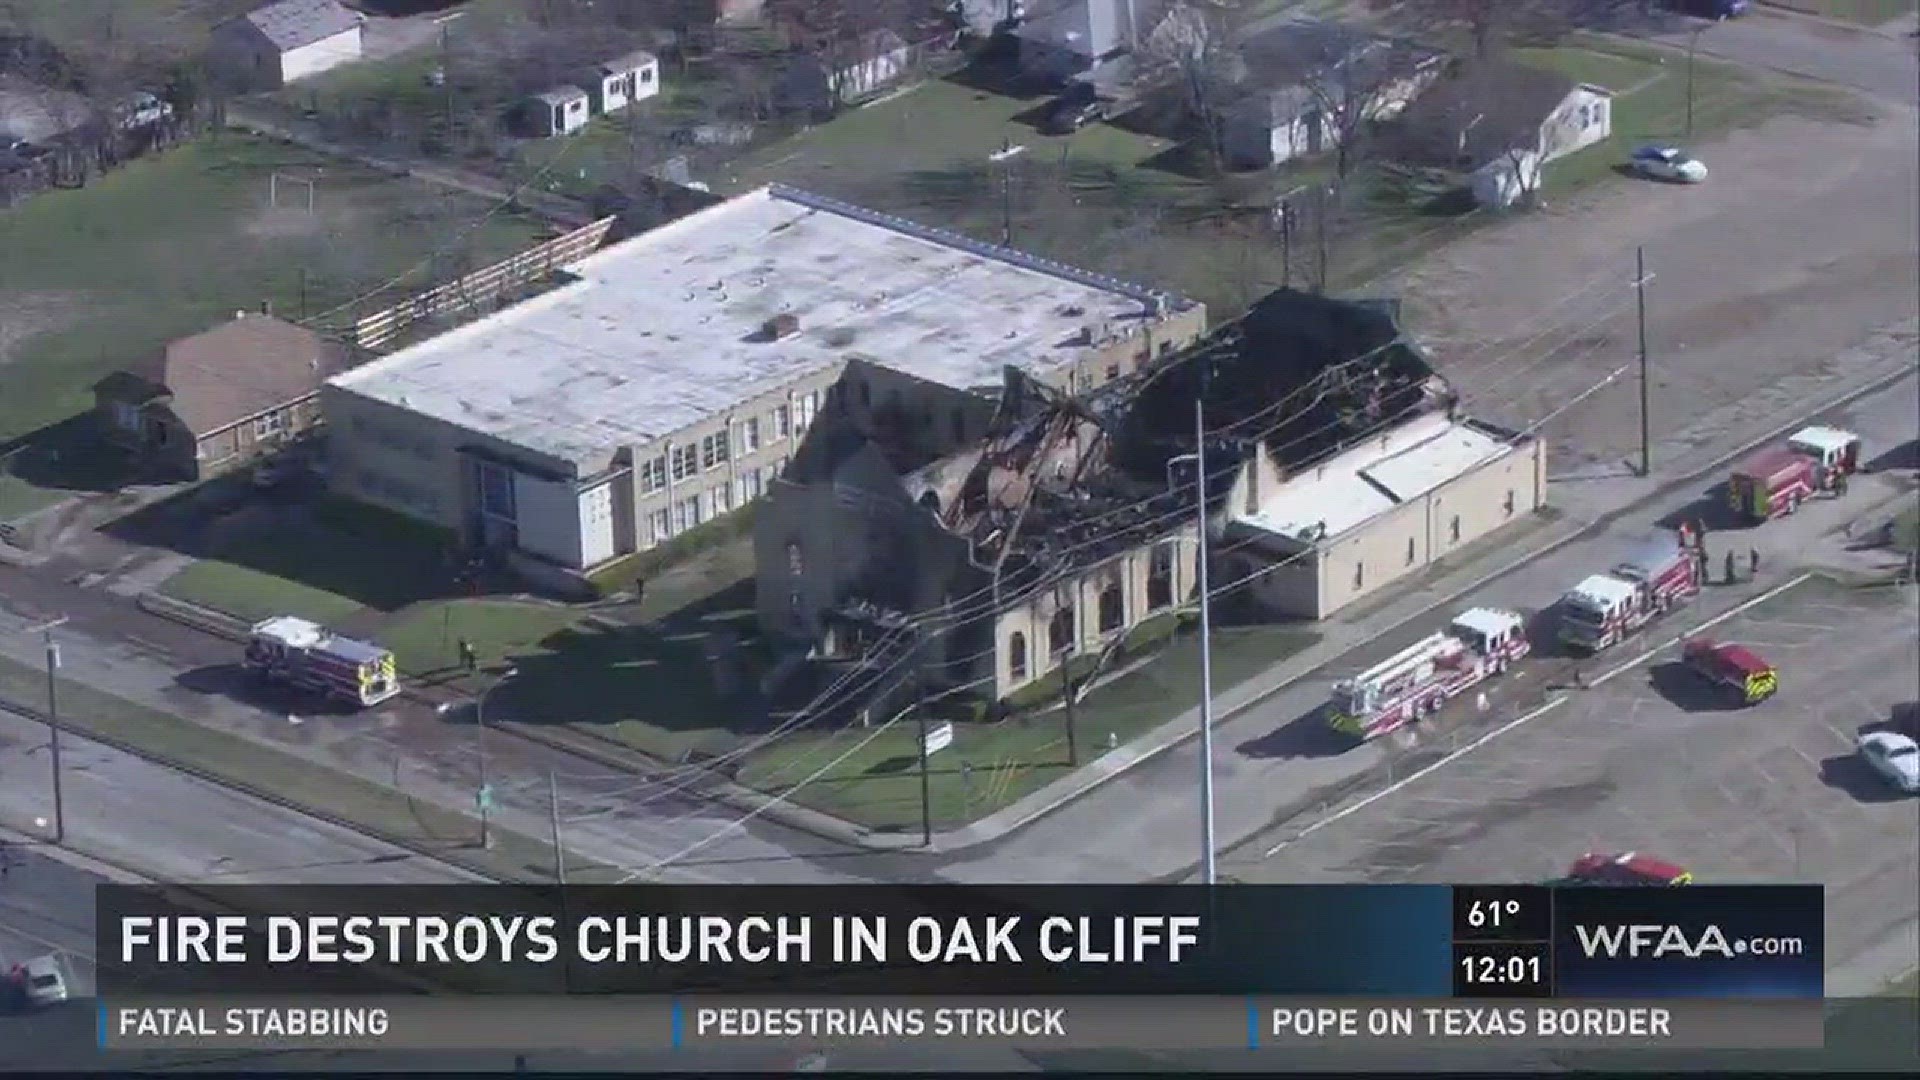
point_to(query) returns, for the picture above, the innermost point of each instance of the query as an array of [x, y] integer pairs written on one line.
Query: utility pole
[[1207, 869], [926, 781], [1004, 158], [446, 67], [483, 795], [1640, 306], [1073, 739], [1693, 42], [1320, 232], [553, 819], [1286, 244], [303, 294]]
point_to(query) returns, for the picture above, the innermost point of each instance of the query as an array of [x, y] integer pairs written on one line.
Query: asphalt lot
[[1651, 761]]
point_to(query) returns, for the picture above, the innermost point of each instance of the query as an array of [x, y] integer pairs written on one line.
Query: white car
[[1669, 163], [1895, 757]]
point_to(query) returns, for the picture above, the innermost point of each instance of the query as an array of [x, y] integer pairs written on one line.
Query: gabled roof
[[1488, 109], [560, 95], [291, 24], [633, 61], [239, 369]]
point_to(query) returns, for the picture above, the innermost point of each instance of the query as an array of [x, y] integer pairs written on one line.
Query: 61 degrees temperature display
[[1502, 913]]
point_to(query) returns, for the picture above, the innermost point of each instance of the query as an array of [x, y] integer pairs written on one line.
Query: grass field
[[872, 776], [172, 243]]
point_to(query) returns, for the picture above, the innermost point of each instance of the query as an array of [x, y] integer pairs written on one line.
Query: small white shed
[[562, 110], [622, 81], [1507, 179]]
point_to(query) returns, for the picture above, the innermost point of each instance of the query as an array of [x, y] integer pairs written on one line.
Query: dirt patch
[[23, 315], [288, 222]]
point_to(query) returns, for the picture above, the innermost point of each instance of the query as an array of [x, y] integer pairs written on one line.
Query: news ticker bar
[[619, 1023], [1345, 941]]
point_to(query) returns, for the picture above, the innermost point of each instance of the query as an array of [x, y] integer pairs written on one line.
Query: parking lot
[[1651, 760]]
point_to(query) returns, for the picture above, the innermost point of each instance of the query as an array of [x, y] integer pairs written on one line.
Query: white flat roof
[[664, 330], [1488, 622], [1363, 482], [1603, 590], [1824, 438]]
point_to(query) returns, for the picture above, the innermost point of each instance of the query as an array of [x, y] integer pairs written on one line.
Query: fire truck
[[1418, 680], [1735, 667], [1776, 481], [307, 655], [1661, 575]]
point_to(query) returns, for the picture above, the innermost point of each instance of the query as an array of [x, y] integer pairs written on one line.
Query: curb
[[64, 852], [1591, 529]]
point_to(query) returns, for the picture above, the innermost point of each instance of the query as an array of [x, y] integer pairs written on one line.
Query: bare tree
[[831, 31], [1358, 80], [1482, 21], [1195, 44]]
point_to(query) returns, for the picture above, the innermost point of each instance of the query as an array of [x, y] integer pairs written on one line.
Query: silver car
[[1895, 757]]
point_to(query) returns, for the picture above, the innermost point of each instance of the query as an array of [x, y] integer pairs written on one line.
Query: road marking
[[20, 932], [1527, 718]]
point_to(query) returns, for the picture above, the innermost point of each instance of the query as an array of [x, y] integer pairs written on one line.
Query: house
[[1298, 88], [215, 401], [859, 67], [1061, 39], [668, 384], [562, 110], [1502, 122], [286, 41], [614, 85]]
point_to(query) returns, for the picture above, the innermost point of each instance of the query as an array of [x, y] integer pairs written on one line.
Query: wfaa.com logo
[[1660, 941]]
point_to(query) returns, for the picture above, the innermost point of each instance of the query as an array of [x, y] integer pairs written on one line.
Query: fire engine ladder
[[1395, 671]]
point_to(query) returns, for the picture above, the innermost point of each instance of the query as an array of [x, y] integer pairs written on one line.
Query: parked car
[[1711, 9], [1668, 163], [1895, 757]]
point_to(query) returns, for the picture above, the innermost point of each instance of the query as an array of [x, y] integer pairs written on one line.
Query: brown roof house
[[215, 401]]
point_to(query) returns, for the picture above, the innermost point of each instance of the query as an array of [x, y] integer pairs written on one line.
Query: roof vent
[[780, 327], [240, 314]]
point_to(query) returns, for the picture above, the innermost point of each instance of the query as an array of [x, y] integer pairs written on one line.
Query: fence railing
[[481, 286]]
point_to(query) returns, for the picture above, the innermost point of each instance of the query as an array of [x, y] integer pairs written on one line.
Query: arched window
[[930, 500], [1160, 577], [1113, 607], [1060, 630], [1017, 655]]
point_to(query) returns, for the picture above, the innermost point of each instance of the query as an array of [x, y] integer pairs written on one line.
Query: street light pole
[[1693, 42], [1004, 157], [484, 797], [1207, 869], [45, 630]]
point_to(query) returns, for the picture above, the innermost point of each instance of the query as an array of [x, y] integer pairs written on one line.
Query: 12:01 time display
[[1501, 969]]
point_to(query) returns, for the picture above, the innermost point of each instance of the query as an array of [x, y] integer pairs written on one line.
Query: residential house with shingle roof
[[212, 402], [277, 44]]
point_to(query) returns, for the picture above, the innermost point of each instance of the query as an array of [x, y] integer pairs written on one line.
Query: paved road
[[133, 813], [1881, 64]]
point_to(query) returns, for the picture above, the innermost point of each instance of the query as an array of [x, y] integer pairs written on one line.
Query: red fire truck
[[1416, 681], [1776, 481], [1631, 868], [1660, 575], [1736, 667]]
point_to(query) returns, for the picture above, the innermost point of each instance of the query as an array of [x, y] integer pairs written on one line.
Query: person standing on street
[[1753, 562], [1732, 570]]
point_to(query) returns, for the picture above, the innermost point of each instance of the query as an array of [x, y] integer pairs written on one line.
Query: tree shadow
[[691, 681], [1308, 735], [1001, 75], [1849, 774], [1689, 691], [1904, 719], [73, 455], [1713, 510]]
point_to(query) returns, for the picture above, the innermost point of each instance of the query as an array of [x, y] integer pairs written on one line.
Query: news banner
[[1260, 968]]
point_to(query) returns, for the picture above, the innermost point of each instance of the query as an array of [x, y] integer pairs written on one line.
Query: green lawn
[[426, 638], [875, 780], [1864, 12], [323, 562], [174, 242], [252, 595]]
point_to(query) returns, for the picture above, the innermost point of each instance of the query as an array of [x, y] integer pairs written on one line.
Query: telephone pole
[[1207, 869], [926, 781], [45, 630], [1640, 307], [553, 816]]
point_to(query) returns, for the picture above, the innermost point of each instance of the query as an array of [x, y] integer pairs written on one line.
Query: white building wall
[[599, 535], [1584, 119], [342, 48]]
